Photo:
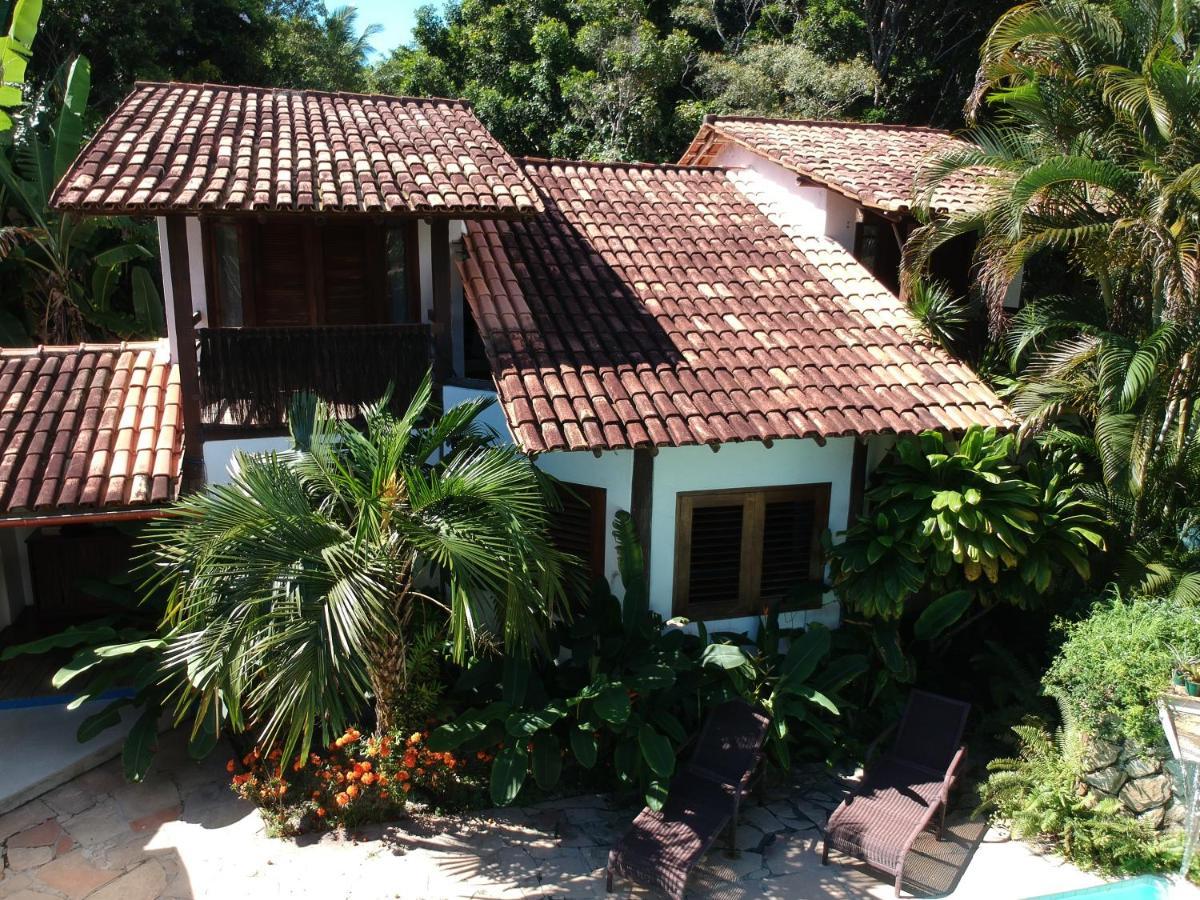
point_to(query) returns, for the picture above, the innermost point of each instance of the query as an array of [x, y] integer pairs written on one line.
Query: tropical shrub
[[959, 525], [292, 590], [623, 691], [1039, 794], [1115, 661]]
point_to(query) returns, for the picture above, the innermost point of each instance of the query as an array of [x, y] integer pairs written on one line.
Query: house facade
[[696, 344]]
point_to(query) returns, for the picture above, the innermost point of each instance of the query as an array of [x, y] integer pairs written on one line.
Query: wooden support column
[[185, 341], [443, 334], [641, 499]]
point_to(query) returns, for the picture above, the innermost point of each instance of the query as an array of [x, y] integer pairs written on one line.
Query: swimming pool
[[1147, 887]]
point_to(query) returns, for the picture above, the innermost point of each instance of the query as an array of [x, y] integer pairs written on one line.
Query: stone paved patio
[[183, 834]]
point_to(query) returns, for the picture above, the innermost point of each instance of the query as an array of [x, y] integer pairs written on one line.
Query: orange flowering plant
[[357, 778]]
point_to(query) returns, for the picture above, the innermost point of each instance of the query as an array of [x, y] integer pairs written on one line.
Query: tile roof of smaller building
[[207, 147], [660, 306], [877, 165], [90, 428]]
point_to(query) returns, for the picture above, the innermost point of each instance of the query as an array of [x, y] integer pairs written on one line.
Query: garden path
[[183, 834]]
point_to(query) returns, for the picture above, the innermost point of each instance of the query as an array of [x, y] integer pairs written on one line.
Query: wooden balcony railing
[[249, 375]]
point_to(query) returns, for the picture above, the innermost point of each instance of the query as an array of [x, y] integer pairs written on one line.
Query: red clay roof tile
[[92, 427], [877, 165], [750, 334], [192, 147]]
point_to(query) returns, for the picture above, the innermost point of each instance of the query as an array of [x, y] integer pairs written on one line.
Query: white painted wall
[[218, 455], [678, 469], [808, 209]]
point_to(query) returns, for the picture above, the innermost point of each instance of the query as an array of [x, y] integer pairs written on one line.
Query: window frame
[[754, 501]]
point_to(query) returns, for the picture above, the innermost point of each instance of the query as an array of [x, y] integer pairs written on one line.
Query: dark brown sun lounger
[[660, 848], [903, 792]]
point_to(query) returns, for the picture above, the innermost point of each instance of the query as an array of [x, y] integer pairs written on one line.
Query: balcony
[[249, 375]]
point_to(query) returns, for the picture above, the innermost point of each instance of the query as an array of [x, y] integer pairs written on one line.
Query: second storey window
[[302, 271], [739, 552]]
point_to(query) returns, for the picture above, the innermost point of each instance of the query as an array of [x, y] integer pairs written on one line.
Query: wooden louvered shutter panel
[[791, 557], [578, 528], [709, 554], [281, 291], [349, 268]]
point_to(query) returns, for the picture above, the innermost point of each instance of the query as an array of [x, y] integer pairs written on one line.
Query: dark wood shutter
[[578, 528], [281, 294], [737, 552], [350, 264]]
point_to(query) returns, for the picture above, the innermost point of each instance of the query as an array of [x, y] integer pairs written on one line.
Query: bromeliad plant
[[959, 526]]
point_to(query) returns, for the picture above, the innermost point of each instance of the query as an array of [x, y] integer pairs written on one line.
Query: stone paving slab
[[184, 835]]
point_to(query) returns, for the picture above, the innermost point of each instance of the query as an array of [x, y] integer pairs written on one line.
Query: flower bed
[[357, 779]]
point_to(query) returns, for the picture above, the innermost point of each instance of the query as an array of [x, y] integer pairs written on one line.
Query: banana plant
[[75, 266], [16, 46]]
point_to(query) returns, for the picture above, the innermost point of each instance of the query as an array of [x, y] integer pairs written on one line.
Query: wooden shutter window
[[578, 528], [737, 552]]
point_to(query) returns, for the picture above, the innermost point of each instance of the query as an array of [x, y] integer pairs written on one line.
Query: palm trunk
[[388, 661]]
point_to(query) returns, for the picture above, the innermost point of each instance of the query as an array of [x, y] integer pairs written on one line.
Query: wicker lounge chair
[[660, 848], [905, 790]]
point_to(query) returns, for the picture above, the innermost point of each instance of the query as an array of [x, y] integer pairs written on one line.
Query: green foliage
[[958, 525], [620, 692], [1087, 137], [121, 653], [16, 47], [292, 588], [1041, 796], [944, 316], [75, 276], [1115, 661]]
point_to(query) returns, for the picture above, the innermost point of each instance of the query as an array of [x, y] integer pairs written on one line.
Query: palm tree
[[292, 587], [1086, 133]]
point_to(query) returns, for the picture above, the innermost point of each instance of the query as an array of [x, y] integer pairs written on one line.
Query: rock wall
[[1148, 784]]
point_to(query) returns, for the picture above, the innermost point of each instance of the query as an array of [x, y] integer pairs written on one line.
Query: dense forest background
[[606, 79]]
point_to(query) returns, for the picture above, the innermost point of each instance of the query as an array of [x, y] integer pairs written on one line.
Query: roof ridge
[[779, 120], [82, 347], [596, 163], [460, 101]]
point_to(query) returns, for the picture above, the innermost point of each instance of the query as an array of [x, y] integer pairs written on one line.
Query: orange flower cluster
[[357, 777]]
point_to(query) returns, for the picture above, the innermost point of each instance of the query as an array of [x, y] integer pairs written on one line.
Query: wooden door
[[283, 294]]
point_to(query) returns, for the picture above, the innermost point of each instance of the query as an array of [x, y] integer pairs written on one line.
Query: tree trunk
[[388, 660]]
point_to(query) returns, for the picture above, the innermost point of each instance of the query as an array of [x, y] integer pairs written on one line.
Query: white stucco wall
[[808, 209], [218, 455], [678, 469]]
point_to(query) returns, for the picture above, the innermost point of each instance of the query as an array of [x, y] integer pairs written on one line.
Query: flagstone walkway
[[183, 834]]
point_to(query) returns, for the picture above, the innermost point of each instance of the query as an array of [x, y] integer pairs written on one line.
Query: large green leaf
[[804, 654], [70, 637], [612, 704], [68, 137], [138, 753], [546, 760], [97, 723], [584, 746], [121, 254], [147, 304], [942, 613], [725, 656], [656, 793], [656, 751], [508, 774]]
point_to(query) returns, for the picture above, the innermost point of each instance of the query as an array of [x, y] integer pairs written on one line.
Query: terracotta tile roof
[[876, 165], [189, 147], [93, 427], [659, 306]]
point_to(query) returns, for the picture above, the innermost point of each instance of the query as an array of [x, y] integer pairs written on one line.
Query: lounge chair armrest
[[953, 773]]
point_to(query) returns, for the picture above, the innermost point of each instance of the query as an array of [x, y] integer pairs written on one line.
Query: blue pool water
[[1147, 887]]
